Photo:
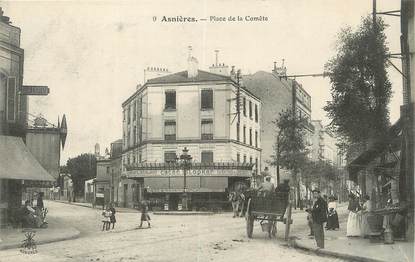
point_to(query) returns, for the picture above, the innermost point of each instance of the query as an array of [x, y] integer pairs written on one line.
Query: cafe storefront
[[205, 185]]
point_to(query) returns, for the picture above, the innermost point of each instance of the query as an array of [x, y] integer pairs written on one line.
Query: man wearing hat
[[266, 187], [319, 216]]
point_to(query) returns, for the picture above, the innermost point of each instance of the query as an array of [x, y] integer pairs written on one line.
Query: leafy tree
[[360, 87], [290, 147], [80, 169]]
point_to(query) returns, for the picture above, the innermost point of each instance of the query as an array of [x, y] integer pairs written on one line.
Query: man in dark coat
[[319, 216]]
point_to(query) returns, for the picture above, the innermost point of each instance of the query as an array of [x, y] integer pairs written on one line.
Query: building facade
[[277, 94], [197, 110]]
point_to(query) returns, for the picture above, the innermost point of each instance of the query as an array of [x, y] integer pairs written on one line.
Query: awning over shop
[[16, 162], [379, 147]]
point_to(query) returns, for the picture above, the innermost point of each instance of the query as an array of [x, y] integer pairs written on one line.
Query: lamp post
[[185, 159]]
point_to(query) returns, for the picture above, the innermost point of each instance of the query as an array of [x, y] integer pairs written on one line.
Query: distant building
[[193, 109], [324, 144], [277, 94]]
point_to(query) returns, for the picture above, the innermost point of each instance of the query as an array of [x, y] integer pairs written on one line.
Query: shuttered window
[[207, 129], [11, 99], [207, 99], [170, 130]]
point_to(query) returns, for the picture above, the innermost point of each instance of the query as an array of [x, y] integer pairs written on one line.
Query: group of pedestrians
[[359, 208], [108, 216]]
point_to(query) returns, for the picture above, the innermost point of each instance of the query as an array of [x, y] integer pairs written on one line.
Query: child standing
[[106, 219], [144, 214], [112, 217]]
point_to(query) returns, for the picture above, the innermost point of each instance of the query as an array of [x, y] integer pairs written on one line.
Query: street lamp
[[185, 163]]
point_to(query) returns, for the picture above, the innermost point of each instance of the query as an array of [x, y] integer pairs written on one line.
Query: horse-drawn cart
[[269, 210]]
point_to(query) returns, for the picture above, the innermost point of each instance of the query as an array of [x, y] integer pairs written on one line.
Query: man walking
[[319, 217]]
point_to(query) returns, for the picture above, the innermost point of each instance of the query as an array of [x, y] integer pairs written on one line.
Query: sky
[[92, 54]]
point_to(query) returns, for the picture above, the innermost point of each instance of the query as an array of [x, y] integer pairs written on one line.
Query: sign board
[[99, 195], [192, 172], [35, 90]]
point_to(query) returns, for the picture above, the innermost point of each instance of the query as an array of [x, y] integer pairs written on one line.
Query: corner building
[[197, 110]]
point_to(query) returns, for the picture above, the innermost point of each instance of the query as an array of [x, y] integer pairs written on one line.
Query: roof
[[181, 77], [17, 162]]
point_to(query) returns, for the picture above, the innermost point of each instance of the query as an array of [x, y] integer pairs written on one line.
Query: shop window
[[170, 100], [250, 109], [170, 156], [207, 99], [256, 113], [170, 130], [207, 129], [207, 157], [11, 99]]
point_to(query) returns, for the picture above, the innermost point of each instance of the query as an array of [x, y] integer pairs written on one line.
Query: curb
[[325, 252], [167, 213], [90, 206], [41, 242]]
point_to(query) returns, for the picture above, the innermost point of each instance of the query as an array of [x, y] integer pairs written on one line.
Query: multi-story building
[[324, 144], [17, 164], [192, 109], [277, 94], [108, 176]]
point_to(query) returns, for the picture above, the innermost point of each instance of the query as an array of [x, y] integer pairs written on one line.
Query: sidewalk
[[357, 249], [56, 231], [99, 207]]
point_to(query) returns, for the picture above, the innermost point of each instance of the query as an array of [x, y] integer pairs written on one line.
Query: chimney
[[192, 65]]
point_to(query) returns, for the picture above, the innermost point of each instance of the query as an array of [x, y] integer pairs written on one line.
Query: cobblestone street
[[172, 238]]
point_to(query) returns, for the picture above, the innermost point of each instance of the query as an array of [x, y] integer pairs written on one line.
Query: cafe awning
[[16, 162], [379, 147]]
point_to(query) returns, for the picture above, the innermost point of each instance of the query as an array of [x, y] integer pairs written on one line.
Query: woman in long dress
[[332, 218], [366, 209], [354, 220]]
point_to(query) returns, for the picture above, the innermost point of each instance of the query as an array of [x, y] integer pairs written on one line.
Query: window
[[256, 113], [244, 134], [207, 157], [11, 99], [128, 115], [238, 158], [256, 138], [250, 160], [140, 107], [244, 158], [256, 166], [250, 109], [134, 159], [170, 100], [128, 137], [108, 169], [250, 136], [124, 114], [135, 135], [244, 106], [237, 131], [170, 130], [139, 158], [140, 133], [135, 110], [207, 99], [170, 156], [207, 129]]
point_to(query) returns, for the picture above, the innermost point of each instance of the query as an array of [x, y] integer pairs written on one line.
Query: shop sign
[[191, 172], [180, 190]]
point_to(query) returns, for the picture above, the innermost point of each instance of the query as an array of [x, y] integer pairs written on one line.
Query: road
[[171, 238]]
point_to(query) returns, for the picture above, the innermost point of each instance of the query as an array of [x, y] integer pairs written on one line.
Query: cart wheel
[[249, 220]]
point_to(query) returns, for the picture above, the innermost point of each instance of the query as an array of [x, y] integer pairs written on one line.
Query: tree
[[290, 147], [80, 169], [360, 87]]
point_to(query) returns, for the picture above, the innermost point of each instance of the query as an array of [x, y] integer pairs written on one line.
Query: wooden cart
[[269, 210]]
